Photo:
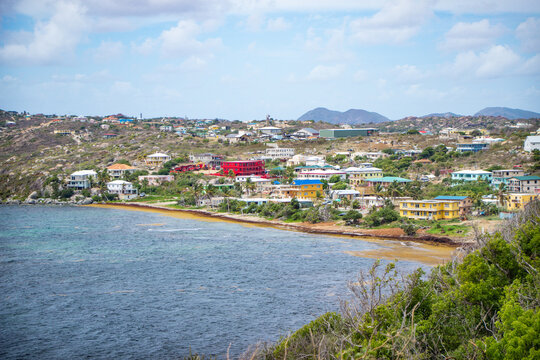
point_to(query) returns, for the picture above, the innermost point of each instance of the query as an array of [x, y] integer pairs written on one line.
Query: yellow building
[[429, 209], [516, 201], [358, 176], [303, 189]]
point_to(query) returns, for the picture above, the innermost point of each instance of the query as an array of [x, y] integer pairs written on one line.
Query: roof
[[472, 172], [526, 177], [120, 167], [158, 155], [389, 179], [346, 192], [306, 182], [84, 172], [119, 182], [444, 197], [364, 169], [533, 138]]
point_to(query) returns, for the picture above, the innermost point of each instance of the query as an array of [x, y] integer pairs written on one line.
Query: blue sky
[[243, 59]]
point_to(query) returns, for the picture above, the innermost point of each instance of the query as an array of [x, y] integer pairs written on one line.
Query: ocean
[[85, 282]]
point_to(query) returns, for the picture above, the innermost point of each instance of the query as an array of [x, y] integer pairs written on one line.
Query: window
[[446, 213]]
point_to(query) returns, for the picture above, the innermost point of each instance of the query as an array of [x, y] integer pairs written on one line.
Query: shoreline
[[301, 227]]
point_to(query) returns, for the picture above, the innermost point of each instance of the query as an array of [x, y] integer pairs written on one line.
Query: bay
[[107, 283]]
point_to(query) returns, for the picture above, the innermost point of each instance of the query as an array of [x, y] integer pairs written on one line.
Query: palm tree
[[249, 185], [502, 194]]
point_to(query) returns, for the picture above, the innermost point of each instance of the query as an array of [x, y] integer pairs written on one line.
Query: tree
[[334, 179], [352, 217]]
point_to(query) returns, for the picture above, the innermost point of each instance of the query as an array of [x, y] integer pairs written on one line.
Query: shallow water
[[109, 283]]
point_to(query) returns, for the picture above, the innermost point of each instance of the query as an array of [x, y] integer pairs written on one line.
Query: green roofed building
[[342, 133]]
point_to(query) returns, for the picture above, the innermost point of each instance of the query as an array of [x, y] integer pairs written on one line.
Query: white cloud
[[181, 40], [531, 66], [408, 73], [396, 22], [278, 24], [332, 46], [193, 63], [498, 61], [323, 72], [471, 36], [53, 41], [8, 79], [528, 32], [146, 47], [360, 75], [109, 50]]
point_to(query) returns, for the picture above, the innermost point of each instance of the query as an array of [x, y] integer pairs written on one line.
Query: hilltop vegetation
[[484, 305]]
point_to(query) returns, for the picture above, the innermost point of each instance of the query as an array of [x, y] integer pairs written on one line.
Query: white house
[[280, 153], [82, 179], [124, 189], [306, 133], [156, 180], [157, 159], [472, 175], [270, 130], [320, 175], [531, 143], [308, 160], [117, 171]]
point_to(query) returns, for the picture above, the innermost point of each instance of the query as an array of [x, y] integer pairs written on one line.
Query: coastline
[[323, 228], [419, 249]]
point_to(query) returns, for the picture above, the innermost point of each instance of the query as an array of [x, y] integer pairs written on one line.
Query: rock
[[87, 201], [13, 202], [48, 201], [30, 201], [33, 195]]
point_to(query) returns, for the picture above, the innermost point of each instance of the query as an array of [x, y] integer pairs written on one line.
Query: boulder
[[33, 195], [30, 201], [87, 201]]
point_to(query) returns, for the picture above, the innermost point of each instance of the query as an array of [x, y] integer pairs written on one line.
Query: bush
[[409, 229]]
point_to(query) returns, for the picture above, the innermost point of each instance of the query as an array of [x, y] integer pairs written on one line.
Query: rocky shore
[[33, 199]]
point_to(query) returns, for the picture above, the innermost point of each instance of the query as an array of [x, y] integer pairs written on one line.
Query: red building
[[249, 167]]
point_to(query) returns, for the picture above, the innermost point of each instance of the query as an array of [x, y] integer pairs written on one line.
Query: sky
[[244, 59]]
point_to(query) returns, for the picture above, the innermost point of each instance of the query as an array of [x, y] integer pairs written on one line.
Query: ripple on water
[[119, 291]]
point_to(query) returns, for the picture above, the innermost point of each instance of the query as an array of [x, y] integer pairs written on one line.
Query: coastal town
[[424, 180]]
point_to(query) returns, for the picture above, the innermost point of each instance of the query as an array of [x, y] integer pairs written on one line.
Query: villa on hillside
[[524, 184], [516, 201], [471, 175], [386, 181], [531, 143], [117, 171], [501, 176], [465, 203], [124, 189], [157, 159], [429, 209], [156, 180], [82, 179]]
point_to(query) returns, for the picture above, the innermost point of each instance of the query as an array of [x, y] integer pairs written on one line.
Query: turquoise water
[[91, 282]]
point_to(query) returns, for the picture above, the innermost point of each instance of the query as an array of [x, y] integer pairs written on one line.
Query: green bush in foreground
[[484, 306]]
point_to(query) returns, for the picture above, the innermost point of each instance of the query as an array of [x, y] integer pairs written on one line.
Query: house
[[369, 155], [109, 136], [341, 133], [157, 159], [465, 203], [307, 189], [63, 132], [474, 147], [531, 143], [350, 195], [82, 179], [280, 153], [501, 176], [471, 175], [124, 189], [357, 176], [246, 167], [515, 201], [524, 184], [237, 138], [270, 130], [386, 181], [308, 160], [429, 209], [208, 159], [117, 171], [321, 174], [156, 180], [306, 133], [166, 128]]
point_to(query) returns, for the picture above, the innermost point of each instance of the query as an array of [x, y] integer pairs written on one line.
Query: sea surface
[[83, 282]]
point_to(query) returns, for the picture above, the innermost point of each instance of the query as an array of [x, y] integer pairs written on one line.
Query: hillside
[[351, 116], [443, 115], [508, 113]]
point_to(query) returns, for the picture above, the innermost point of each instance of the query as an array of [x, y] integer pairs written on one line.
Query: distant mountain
[[444, 115], [351, 117], [508, 113]]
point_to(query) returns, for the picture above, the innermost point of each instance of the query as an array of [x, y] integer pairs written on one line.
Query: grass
[[449, 229]]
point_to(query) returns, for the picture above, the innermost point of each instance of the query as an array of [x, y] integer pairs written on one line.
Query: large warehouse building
[[341, 133]]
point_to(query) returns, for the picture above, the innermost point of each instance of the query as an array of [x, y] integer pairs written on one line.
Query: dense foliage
[[482, 306]]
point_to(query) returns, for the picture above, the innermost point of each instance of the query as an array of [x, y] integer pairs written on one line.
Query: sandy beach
[[429, 250]]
